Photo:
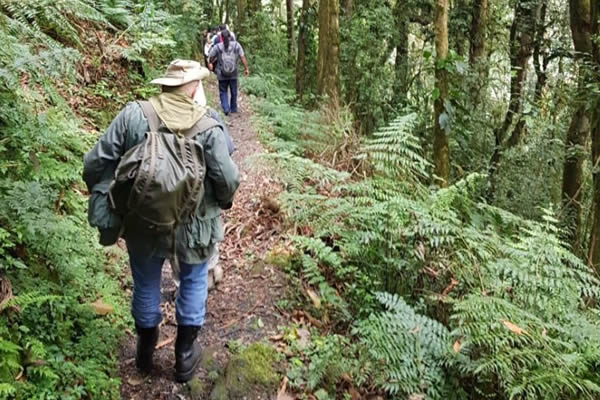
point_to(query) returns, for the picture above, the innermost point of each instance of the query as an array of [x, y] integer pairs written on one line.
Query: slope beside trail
[[242, 306]]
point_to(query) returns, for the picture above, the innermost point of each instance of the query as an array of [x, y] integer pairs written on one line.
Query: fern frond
[[396, 152]]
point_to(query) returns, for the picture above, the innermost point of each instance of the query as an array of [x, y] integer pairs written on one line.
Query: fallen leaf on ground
[[346, 378], [457, 346], [354, 394], [303, 337], [135, 380], [281, 394], [314, 298], [276, 338], [165, 342], [101, 308], [452, 285], [513, 328]]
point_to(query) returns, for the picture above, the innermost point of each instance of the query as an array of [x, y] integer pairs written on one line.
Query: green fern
[[412, 349], [396, 152], [54, 17]]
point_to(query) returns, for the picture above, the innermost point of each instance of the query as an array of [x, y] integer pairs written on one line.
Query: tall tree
[[594, 247], [441, 150], [579, 129], [245, 13], [242, 6], [302, 48], [401, 64], [290, 28], [540, 53], [522, 33], [254, 6], [347, 7], [328, 59], [478, 30]]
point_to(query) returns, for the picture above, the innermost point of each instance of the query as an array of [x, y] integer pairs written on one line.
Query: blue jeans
[[190, 305], [224, 86]]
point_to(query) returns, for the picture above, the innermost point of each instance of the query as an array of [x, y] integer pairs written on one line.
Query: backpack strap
[[150, 114], [204, 124]]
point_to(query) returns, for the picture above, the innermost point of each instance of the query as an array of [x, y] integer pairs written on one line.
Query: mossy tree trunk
[[594, 246], [254, 6], [522, 33], [401, 64], [241, 15], [302, 48], [579, 129], [290, 29], [441, 156], [540, 53], [477, 49], [347, 7], [328, 59]]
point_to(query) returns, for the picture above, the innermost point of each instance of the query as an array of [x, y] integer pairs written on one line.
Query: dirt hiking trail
[[242, 306]]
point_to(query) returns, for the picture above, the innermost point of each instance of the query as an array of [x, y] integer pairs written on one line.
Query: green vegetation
[[251, 371], [440, 170], [421, 292], [65, 68]]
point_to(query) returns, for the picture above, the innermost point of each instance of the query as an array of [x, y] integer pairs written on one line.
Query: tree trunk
[[241, 16], [521, 51], [302, 47], [594, 247], [290, 29], [401, 86], [478, 30], [540, 53], [346, 8], [441, 155], [228, 11], [221, 10], [254, 6], [328, 59], [579, 129], [521, 48], [572, 182]]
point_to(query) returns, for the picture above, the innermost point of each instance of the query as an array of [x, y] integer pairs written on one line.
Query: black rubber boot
[[146, 341], [187, 352]]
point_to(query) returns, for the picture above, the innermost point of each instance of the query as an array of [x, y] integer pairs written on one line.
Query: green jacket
[[196, 238]]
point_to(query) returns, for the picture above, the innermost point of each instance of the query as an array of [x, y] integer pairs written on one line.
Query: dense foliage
[[484, 288], [60, 64], [419, 292]]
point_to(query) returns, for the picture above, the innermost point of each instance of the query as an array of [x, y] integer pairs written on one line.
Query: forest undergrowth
[[406, 290], [65, 69], [416, 292]]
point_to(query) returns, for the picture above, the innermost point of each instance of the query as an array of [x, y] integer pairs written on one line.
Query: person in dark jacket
[[228, 47], [195, 239]]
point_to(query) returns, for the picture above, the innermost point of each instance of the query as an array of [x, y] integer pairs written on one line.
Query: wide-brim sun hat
[[180, 72]]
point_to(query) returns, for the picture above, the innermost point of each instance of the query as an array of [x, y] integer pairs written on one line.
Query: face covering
[[199, 96]]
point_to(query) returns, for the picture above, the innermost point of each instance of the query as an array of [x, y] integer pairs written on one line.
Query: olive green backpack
[[159, 183]]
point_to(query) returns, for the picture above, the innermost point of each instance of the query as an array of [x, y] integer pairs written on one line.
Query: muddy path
[[242, 306]]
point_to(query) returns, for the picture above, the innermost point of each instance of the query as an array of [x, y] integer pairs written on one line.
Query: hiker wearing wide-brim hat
[[182, 72], [191, 240]]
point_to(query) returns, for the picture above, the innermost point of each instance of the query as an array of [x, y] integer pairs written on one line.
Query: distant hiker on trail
[[159, 177], [227, 54], [218, 36], [206, 47]]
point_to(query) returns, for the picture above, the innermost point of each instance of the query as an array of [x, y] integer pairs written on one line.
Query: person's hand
[[246, 72], [210, 66]]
